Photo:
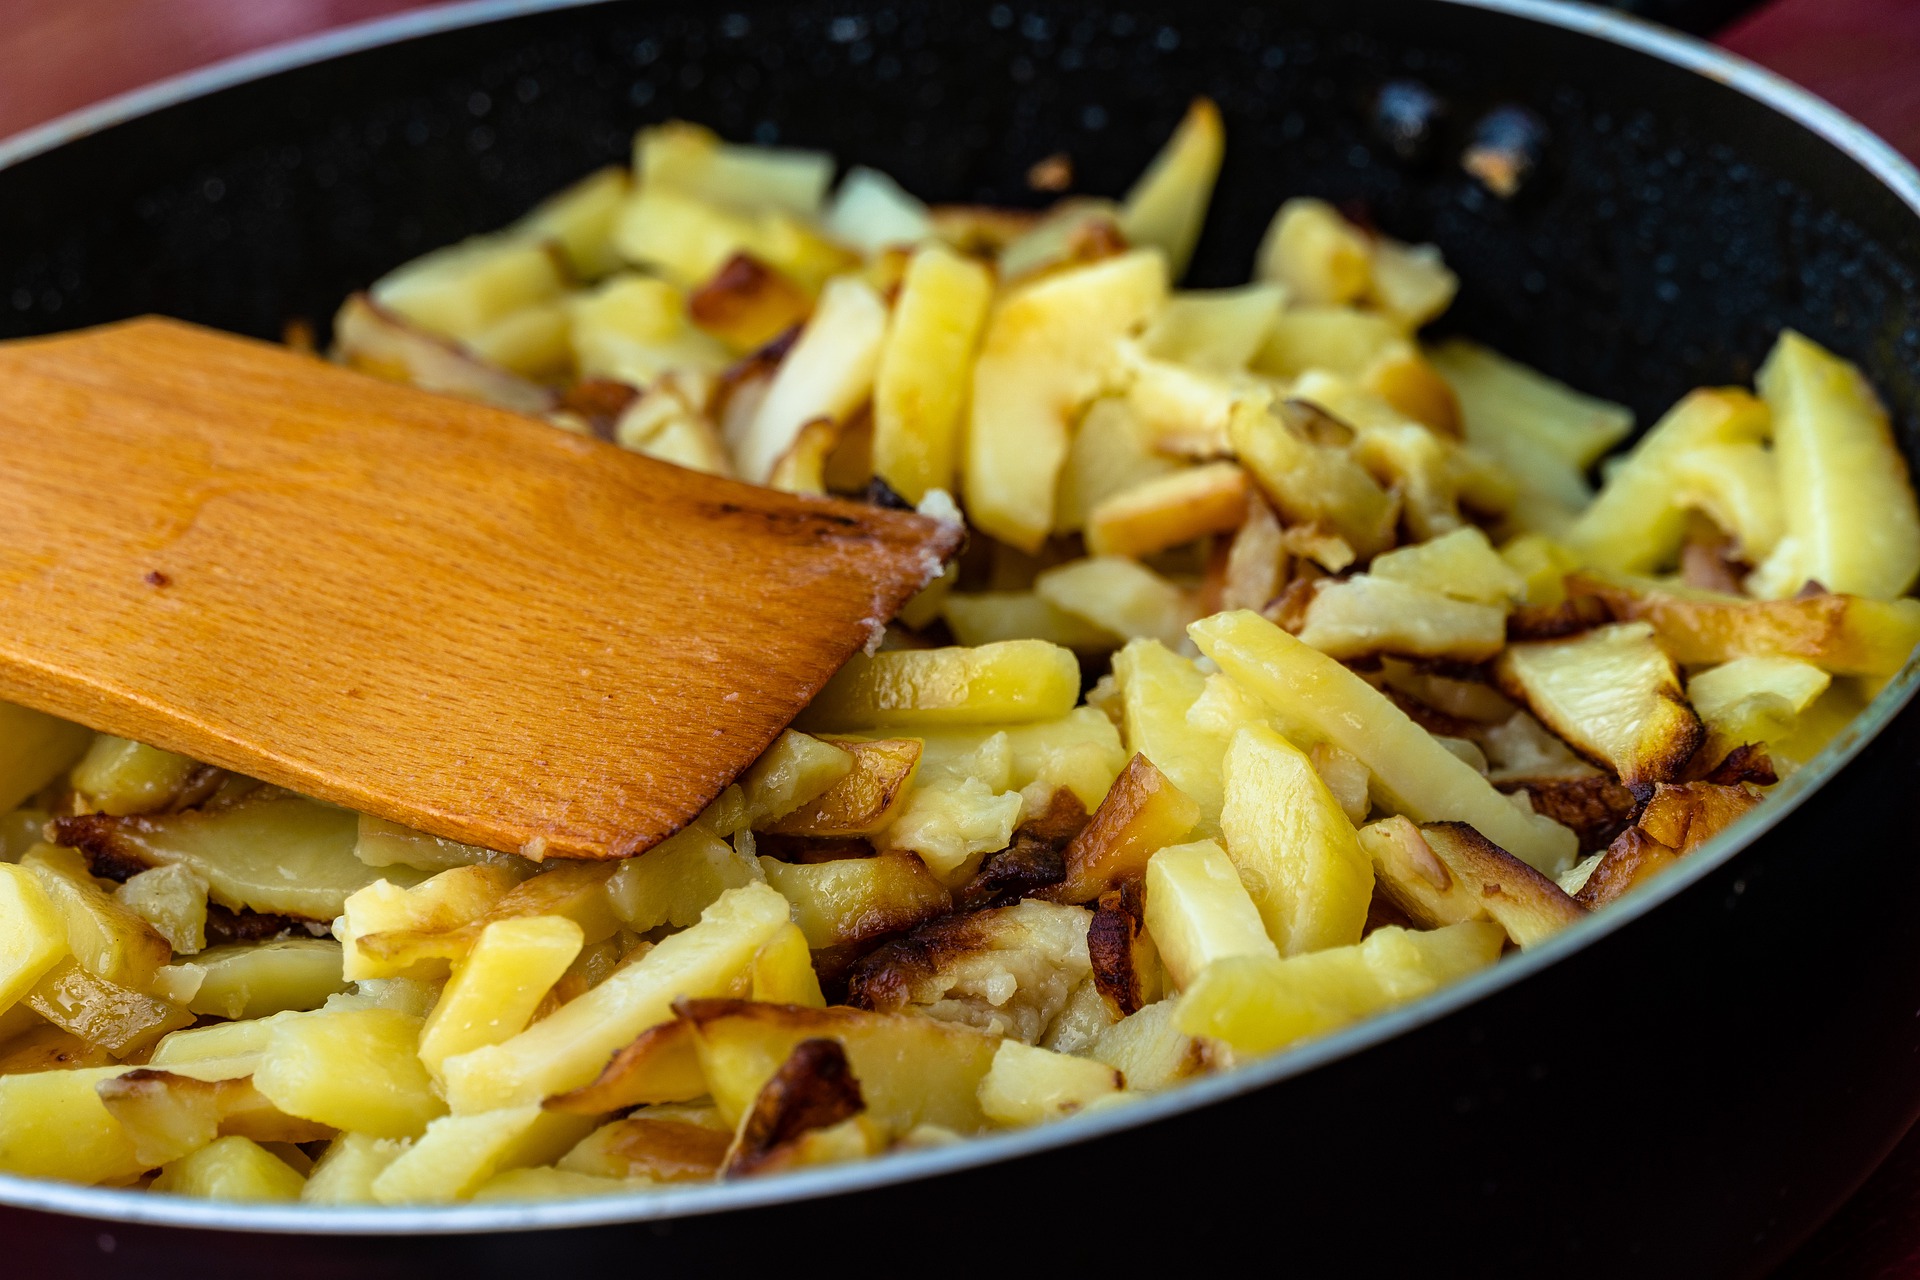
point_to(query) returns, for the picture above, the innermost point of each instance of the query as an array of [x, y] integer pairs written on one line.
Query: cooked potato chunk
[[1156, 514], [1851, 521], [1412, 771], [1150, 1051], [1048, 350], [497, 987], [1530, 907], [1007, 683], [1294, 848], [567, 1048], [1365, 615], [1612, 694], [35, 748], [1113, 450], [852, 900], [1198, 910], [1157, 690], [1142, 813], [118, 776], [1217, 330], [863, 801], [1257, 1004], [1120, 596], [458, 291], [168, 1115], [1753, 699], [33, 935], [232, 1168], [173, 899], [355, 1069], [1317, 254], [1310, 482], [258, 979], [920, 392], [827, 375], [1168, 203], [1030, 1085], [345, 1172], [53, 1125], [108, 940], [459, 1153], [1461, 564], [985, 617], [797, 768], [677, 879]]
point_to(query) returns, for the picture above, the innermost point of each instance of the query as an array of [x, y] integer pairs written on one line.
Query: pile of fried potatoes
[[1296, 668]]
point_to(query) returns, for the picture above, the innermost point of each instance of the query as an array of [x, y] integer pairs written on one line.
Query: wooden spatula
[[432, 611]]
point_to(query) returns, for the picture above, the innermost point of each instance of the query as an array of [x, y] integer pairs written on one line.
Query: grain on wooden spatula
[[433, 611]]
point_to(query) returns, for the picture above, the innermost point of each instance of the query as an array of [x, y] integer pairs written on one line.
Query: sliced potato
[[1048, 350], [110, 941], [121, 1019], [458, 1154], [747, 304], [1150, 1051], [496, 988], [119, 776], [1119, 595], [984, 617], [355, 1070], [376, 341], [827, 375], [1168, 204], [692, 158], [579, 218], [1851, 521], [1365, 615], [871, 212], [456, 292], [256, 980], [1142, 813], [1317, 254], [1529, 906], [864, 800], [1461, 564], [1257, 1004], [53, 1125], [1112, 451], [1844, 635], [1011, 682], [1311, 483], [1753, 699], [796, 769], [232, 1168], [1217, 330], [168, 1115], [848, 901], [1322, 701], [1030, 1085], [1157, 690], [1199, 911], [1157, 514], [35, 748], [920, 391]]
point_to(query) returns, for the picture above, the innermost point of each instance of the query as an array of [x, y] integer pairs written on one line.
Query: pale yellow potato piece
[[1257, 1004], [1050, 347], [692, 158], [677, 879], [345, 1172], [1334, 339], [1167, 205], [220, 1042], [985, 617], [828, 374], [1149, 1050], [108, 940], [1294, 846], [1010, 682], [926, 365], [534, 342], [1755, 699], [843, 899], [438, 904], [1030, 1085], [579, 218], [797, 768], [1511, 408], [231, 1168], [1366, 615], [1317, 254], [912, 1070], [355, 1069], [33, 934], [1112, 450], [1311, 483], [871, 212], [633, 328], [1119, 595], [174, 901], [256, 980], [1187, 411], [1410, 282], [1638, 521], [495, 990], [1851, 520], [1737, 487], [1054, 238], [1217, 330], [688, 239], [1164, 512], [569, 1047], [458, 291], [1157, 689], [120, 776], [1080, 751], [1461, 564], [1319, 700], [53, 1125], [783, 971], [1198, 910], [380, 843], [950, 823], [35, 748], [458, 1154]]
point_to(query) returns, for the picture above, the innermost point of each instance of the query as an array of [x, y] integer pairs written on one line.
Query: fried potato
[[1257, 1004], [747, 304], [1293, 845], [1753, 699], [1113, 450], [920, 391], [118, 776], [1156, 514], [437, 906], [1461, 564], [1323, 702], [1843, 635], [375, 341], [691, 158], [1529, 906], [863, 801], [827, 375], [984, 617], [1150, 1051], [167, 1115], [1030, 1085], [36, 748], [1310, 483], [1168, 203], [458, 291], [1142, 813], [796, 769], [871, 212], [1049, 349], [1318, 255], [497, 986], [108, 940], [659, 1144], [1410, 282], [579, 219], [232, 1169], [459, 1153], [1610, 693], [1118, 595], [1214, 330], [1157, 690], [256, 980], [1198, 910], [849, 901], [1851, 522], [1011, 682], [1366, 615]]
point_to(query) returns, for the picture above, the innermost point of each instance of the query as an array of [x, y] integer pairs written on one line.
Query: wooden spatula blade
[[436, 612]]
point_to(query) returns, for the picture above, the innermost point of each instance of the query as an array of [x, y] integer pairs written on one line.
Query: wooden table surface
[[1862, 55]]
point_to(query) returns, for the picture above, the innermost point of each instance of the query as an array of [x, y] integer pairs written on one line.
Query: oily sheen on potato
[[1296, 667]]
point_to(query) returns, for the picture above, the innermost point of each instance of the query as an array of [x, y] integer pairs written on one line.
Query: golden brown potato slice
[[1525, 903], [577, 891], [167, 1116], [851, 902], [813, 1089], [1687, 815], [659, 1066], [1413, 878], [1309, 482], [374, 340], [1142, 812], [1164, 512], [1842, 634], [911, 1070], [120, 1019], [1613, 694], [865, 799], [1631, 860], [659, 1145], [748, 304]]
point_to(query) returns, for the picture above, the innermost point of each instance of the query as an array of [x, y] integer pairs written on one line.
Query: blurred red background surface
[[1862, 55]]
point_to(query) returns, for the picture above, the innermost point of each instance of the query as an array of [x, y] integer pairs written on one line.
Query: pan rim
[[111, 1205]]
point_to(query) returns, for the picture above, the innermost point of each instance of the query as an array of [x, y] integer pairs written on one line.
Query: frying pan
[[1685, 1084]]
